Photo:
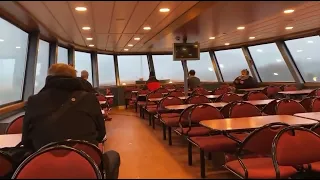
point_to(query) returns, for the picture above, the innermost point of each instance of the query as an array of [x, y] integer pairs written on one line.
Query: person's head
[[61, 69], [244, 72], [192, 72], [152, 73], [84, 74]]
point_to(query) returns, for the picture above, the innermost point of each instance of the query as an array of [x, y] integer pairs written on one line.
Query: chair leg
[[202, 164], [164, 129], [169, 135], [136, 106], [189, 153], [149, 119], [153, 121]]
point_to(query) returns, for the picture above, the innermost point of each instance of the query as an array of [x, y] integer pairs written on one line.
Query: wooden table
[[184, 106], [252, 89], [10, 140], [236, 124], [309, 115], [260, 102], [102, 102], [297, 92], [185, 97], [109, 96]]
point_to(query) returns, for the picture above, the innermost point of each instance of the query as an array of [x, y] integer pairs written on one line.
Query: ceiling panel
[[102, 12], [101, 41], [113, 39]]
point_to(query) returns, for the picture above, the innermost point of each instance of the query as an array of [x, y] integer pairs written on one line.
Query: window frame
[[115, 67]]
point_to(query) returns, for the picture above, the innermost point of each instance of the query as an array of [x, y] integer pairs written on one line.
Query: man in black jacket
[[82, 120]]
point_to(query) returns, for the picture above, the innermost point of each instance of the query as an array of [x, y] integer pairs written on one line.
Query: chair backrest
[[229, 97], [289, 107], [168, 101], [243, 109], [290, 88], [272, 91], [316, 128], [15, 127], [315, 105], [315, 92], [162, 90], [307, 103], [169, 86], [294, 146], [225, 110], [6, 165], [270, 108], [201, 112], [220, 91], [197, 99], [143, 91], [56, 163], [256, 95], [184, 115], [152, 86], [200, 91], [176, 93]]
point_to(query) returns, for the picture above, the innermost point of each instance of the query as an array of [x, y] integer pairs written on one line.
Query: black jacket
[[83, 122], [245, 83], [87, 85]]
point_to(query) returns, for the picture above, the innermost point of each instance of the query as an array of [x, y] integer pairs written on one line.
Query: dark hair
[[192, 72], [152, 73]]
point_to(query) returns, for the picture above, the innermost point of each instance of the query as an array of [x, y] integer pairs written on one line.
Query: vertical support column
[[116, 69], [94, 65], [185, 70], [251, 64], [71, 56], [291, 65], [150, 63], [31, 65], [53, 53], [216, 66]]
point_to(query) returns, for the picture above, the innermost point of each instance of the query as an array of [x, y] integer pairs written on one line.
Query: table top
[[10, 140], [252, 89], [102, 102], [233, 124], [109, 96], [303, 91], [310, 115], [185, 97], [260, 102]]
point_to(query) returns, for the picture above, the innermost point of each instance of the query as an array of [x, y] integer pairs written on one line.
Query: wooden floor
[[145, 155]]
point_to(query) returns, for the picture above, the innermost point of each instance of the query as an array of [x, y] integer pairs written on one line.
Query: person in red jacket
[[153, 83]]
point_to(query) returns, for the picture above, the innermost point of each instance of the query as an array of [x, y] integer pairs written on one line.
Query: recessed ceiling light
[[136, 38], [310, 42], [259, 50], [81, 8], [86, 28], [212, 37], [164, 10], [1, 40], [18, 47], [240, 28], [227, 44], [89, 39], [252, 37], [91, 45], [276, 74], [130, 45], [289, 27], [288, 11], [299, 50], [126, 49], [147, 28]]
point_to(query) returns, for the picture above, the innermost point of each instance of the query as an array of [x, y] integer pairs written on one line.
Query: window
[[42, 66], [231, 62], [133, 68], [270, 64], [106, 70], [305, 53], [62, 55], [203, 67], [13, 56], [166, 68], [83, 62]]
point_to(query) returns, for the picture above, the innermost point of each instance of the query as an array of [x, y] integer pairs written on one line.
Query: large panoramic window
[[13, 52], [203, 67], [62, 55], [133, 68], [270, 64], [106, 70], [231, 62], [168, 69], [42, 66], [83, 62], [305, 53]]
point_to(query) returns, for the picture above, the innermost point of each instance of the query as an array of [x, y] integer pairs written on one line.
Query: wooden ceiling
[[114, 24]]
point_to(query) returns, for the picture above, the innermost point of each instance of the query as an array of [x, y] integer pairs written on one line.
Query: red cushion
[[219, 143], [260, 168], [169, 115], [152, 109], [141, 103], [315, 166], [195, 131], [170, 121]]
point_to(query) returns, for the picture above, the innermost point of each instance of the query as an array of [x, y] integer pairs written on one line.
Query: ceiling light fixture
[[227, 44], [89, 39], [86, 28], [288, 11], [310, 42], [147, 28], [252, 37], [240, 28], [18, 47], [276, 74], [130, 45], [164, 10], [126, 49], [81, 8], [136, 38], [91, 45], [212, 37], [289, 27]]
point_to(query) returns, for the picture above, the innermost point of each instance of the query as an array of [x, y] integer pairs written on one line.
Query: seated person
[[193, 81], [152, 83], [64, 110], [245, 81]]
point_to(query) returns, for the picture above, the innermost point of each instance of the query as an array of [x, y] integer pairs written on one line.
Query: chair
[[59, 162], [289, 107], [290, 88], [225, 110], [176, 93], [243, 109], [6, 166], [315, 92], [169, 86], [162, 90], [316, 128], [200, 91], [307, 103], [229, 97], [165, 116], [271, 91], [296, 146], [253, 156], [220, 91], [138, 102], [15, 127], [197, 99], [315, 105], [151, 107], [256, 95]]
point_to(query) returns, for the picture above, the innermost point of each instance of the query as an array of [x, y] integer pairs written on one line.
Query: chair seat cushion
[[194, 131], [170, 115], [170, 121], [141, 103], [315, 166], [260, 168]]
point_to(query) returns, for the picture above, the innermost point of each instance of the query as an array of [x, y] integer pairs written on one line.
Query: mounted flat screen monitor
[[186, 51]]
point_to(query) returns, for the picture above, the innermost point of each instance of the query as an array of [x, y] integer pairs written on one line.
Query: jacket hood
[[63, 82]]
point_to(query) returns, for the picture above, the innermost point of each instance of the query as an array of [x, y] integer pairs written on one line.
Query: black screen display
[[186, 51]]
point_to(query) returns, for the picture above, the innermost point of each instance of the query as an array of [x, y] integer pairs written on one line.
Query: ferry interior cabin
[[160, 89]]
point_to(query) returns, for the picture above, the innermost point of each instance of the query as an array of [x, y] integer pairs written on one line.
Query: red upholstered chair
[[162, 90], [225, 110], [290, 88], [151, 106], [59, 162], [256, 95], [271, 91], [316, 128], [289, 107], [253, 157], [169, 86], [307, 103], [220, 91], [197, 99], [229, 97], [270, 108], [140, 103], [15, 127], [315, 106], [176, 93], [200, 91], [315, 92], [6, 166], [296, 146], [243, 109]]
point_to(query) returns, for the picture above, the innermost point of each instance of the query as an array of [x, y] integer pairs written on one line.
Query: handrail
[[11, 108]]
